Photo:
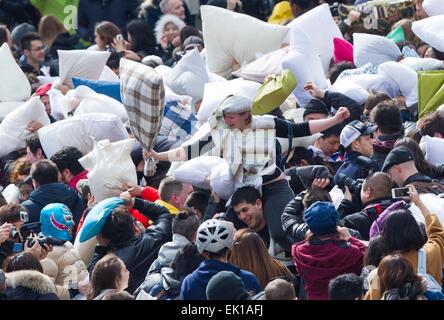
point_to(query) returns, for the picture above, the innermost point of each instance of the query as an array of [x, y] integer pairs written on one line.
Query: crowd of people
[[335, 192]]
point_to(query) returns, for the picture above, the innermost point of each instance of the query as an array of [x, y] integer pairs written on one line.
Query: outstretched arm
[[323, 124]]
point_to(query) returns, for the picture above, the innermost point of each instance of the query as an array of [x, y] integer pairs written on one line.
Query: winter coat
[[168, 287], [91, 12], [353, 166], [54, 193], [64, 266], [363, 220], [434, 249], [139, 253], [29, 285], [382, 147], [294, 224], [63, 42], [425, 184], [317, 262], [167, 254], [195, 284]]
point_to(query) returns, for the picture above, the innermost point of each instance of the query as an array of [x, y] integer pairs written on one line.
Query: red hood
[[318, 264], [80, 176]]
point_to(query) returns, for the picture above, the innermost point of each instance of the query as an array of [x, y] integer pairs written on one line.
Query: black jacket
[[63, 42], [363, 220], [294, 224], [356, 166], [5, 251], [91, 12], [382, 146], [337, 100], [139, 253], [425, 184], [54, 193]]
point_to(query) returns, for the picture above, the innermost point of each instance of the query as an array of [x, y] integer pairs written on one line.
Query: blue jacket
[[195, 284], [52, 193], [119, 12], [352, 167]]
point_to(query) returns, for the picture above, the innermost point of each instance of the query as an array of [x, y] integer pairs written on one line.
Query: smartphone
[[399, 193], [17, 247]]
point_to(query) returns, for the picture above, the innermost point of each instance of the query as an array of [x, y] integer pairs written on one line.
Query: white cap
[[353, 131]]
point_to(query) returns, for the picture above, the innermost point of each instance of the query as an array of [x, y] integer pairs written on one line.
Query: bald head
[[401, 172], [279, 289], [376, 186]]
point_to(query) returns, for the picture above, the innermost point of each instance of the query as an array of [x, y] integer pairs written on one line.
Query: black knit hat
[[315, 106]]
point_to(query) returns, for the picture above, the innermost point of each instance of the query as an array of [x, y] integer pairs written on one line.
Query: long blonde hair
[[49, 29], [250, 253]]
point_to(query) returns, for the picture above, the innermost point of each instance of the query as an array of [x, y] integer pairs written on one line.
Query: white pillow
[[207, 172], [432, 148], [232, 36], [441, 110], [189, 76], [14, 84], [216, 92], [7, 107], [81, 64], [13, 128], [320, 28], [433, 7], [213, 77], [351, 90], [431, 31], [374, 49], [108, 75], [110, 168], [305, 66], [11, 194], [164, 71], [422, 64], [365, 69], [267, 64], [371, 82], [99, 103], [406, 78], [79, 130]]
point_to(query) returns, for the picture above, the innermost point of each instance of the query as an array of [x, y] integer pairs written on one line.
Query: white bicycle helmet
[[214, 235]]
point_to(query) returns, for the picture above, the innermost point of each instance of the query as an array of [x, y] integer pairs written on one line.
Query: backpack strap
[[422, 262]]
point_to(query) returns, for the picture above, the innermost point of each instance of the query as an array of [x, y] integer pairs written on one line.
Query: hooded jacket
[[29, 285], [54, 193], [167, 253], [319, 262], [168, 287], [194, 285]]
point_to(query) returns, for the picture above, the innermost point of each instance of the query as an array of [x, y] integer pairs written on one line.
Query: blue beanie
[[56, 219], [321, 217]]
